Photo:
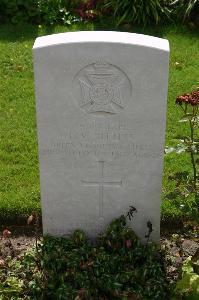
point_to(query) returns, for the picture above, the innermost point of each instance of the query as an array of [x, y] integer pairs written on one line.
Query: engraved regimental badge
[[102, 88]]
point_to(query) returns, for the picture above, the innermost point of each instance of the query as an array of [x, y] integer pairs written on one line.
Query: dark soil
[[176, 251], [15, 246]]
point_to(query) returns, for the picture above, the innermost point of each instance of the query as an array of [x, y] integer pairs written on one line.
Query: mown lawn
[[19, 175]]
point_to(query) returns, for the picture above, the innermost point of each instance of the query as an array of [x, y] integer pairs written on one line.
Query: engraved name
[[111, 140]]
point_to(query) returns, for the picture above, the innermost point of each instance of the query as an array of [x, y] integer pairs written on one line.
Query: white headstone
[[101, 106]]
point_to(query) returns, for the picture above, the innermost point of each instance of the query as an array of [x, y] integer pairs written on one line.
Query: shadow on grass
[[182, 30], [109, 25], [25, 31], [20, 32], [153, 29]]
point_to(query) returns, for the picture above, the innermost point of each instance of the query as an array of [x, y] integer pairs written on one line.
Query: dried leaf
[[30, 219], [6, 233], [2, 262], [178, 65], [109, 243], [179, 253], [90, 263], [81, 294], [128, 244], [19, 68]]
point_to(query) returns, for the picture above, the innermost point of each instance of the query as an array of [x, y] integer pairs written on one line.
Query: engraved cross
[[101, 182]]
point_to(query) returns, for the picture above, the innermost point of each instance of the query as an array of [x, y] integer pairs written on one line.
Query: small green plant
[[17, 275], [187, 185], [118, 266], [187, 287], [189, 103]]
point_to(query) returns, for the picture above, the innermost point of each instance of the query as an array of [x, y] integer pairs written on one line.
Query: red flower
[[30, 219], [85, 10], [192, 99]]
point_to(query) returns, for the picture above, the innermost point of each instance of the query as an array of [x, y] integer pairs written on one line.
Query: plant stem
[[192, 154]]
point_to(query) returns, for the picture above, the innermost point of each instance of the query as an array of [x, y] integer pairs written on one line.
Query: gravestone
[[101, 106]]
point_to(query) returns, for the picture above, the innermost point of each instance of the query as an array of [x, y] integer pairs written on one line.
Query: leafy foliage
[[19, 10], [188, 287], [186, 10], [117, 266], [47, 11], [192, 9], [42, 11], [17, 275], [136, 11], [55, 12], [67, 12]]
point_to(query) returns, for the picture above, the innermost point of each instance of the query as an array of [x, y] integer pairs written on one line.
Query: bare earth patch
[[15, 246]]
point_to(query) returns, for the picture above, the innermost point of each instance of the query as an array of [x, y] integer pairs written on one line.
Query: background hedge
[[122, 11], [36, 11]]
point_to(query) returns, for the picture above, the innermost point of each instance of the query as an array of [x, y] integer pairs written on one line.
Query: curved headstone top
[[102, 37]]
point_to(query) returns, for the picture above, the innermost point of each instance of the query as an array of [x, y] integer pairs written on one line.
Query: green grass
[[19, 174]]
